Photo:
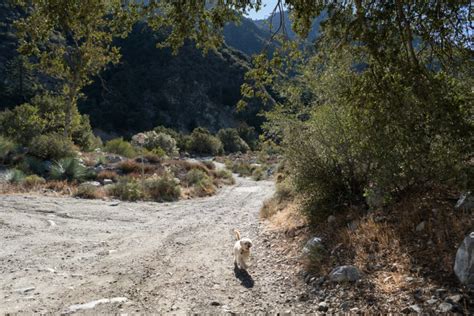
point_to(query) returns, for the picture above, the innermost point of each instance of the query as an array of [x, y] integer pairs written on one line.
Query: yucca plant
[[68, 169], [15, 176]]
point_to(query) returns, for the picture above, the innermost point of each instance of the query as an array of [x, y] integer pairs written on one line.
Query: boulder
[[465, 202], [92, 183], [114, 158], [347, 273], [464, 263], [107, 181], [314, 243], [445, 307]]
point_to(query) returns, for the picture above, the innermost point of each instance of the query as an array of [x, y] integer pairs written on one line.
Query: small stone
[[215, 303], [440, 292], [107, 181], [454, 298], [323, 307], [345, 306], [331, 219], [314, 243], [431, 301], [345, 274], [303, 297], [445, 307], [416, 308], [421, 226], [25, 290]]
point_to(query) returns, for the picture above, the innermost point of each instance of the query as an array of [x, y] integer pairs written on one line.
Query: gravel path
[[66, 255]]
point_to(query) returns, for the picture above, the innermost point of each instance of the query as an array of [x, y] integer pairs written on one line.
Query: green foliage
[[259, 173], [249, 135], [68, 169], [22, 123], [201, 182], [120, 147], [159, 140], [164, 188], [127, 189], [202, 142], [36, 166], [33, 180], [7, 147], [225, 175], [15, 176], [51, 147], [231, 141]]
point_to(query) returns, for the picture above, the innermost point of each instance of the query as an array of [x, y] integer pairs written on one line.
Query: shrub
[[179, 137], [226, 176], [259, 173], [7, 147], [202, 142], [163, 189], [243, 168], [129, 166], [154, 140], [22, 123], [51, 147], [33, 181], [107, 174], [231, 141], [249, 135], [201, 182], [68, 169], [87, 191], [209, 164], [15, 176], [120, 147], [36, 166], [127, 189]]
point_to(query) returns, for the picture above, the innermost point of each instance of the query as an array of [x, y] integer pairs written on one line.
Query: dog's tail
[[237, 234]]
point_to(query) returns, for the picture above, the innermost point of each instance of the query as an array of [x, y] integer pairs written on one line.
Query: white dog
[[241, 250]]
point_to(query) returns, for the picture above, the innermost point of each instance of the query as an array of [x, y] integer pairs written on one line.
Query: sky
[[265, 10]]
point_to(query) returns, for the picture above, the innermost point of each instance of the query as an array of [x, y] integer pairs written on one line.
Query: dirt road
[[66, 255]]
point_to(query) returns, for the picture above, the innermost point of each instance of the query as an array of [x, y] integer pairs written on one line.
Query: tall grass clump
[[69, 169], [127, 189]]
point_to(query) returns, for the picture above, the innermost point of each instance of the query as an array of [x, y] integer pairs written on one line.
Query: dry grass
[[107, 174], [90, 192], [131, 166]]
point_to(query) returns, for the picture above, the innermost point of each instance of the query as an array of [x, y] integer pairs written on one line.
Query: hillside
[[152, 87]]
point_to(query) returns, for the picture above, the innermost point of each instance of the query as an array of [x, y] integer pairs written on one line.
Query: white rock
[[345, 274], [445, 307], [107, 181], [420, 226], [464, 263], [465, 202], [313, 243], [93, 304]]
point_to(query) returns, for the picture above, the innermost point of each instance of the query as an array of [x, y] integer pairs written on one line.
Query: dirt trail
[[66, 255]]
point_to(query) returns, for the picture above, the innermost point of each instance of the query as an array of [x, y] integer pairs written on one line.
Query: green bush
[[201, 182], [249, 135], [127, 189], [163, 189], [231, 141], [243, 168], [7, 147], [68, 169], [120, 147], [51, 147], [259, 173], [33, 180], [163, 141], [225, 175], [15, 176], [202, 142], [22, 123], [36, 166], [181, 139]]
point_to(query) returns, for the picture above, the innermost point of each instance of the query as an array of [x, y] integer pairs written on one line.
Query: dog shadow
[[244, 277]]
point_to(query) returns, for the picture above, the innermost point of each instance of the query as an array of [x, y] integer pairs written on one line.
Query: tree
[[20, 82], [72, 42]]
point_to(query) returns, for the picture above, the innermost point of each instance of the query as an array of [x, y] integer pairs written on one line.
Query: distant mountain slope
[[247, 36], [271, 24], [152, 87]]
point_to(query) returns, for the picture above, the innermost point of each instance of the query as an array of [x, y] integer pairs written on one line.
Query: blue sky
[[265, 11]]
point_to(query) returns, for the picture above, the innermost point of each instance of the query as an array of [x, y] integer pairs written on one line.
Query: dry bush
[[130, 166], [107, 174], [87, 191], [209, 165], [33, 181]]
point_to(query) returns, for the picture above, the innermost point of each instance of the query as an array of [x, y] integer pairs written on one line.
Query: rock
[[303, 297], [345, 306], [416, 309], [92, 183], [107, 181], [319, 281], [114, 158], [323, 307], [90, 305], [440, 292], [345, 274], [431, 301], [454, 298], [331, 219], [140, 160], [314, 244], [464, 263], [421, 226], [25, 290], [445, 307], [353, 225], [465, 202], [215, 303]]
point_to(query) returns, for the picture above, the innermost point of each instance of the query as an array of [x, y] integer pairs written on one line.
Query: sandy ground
[[67, 255]]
